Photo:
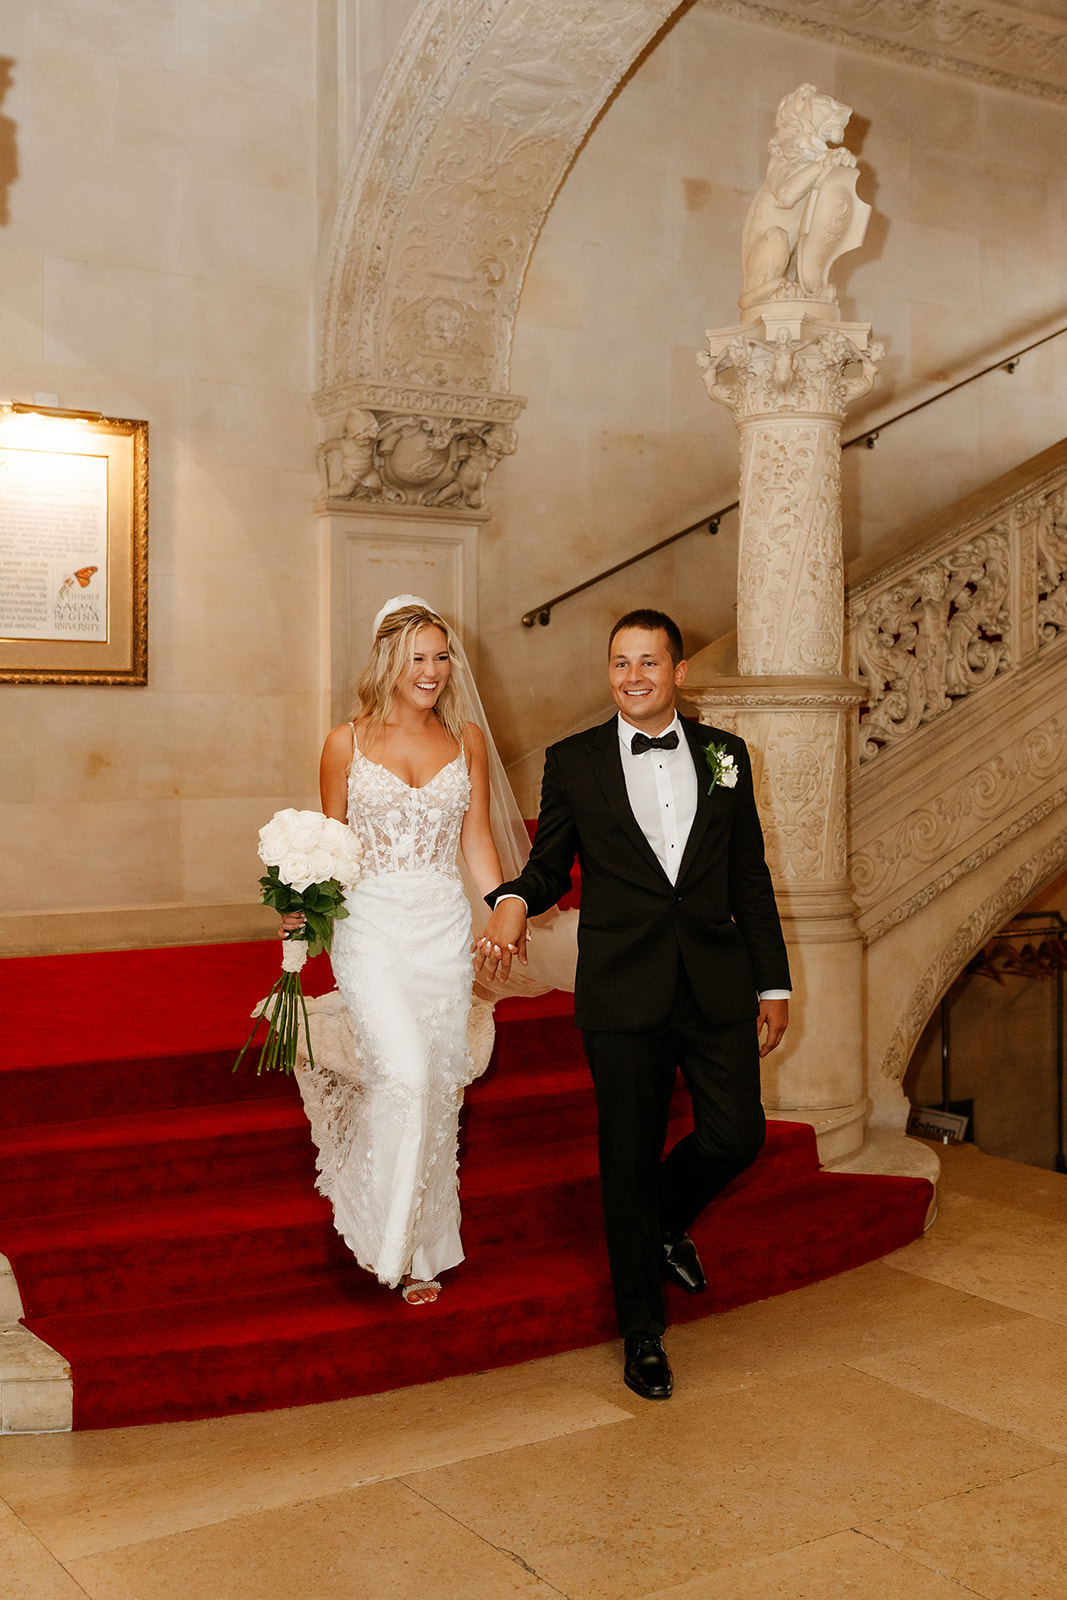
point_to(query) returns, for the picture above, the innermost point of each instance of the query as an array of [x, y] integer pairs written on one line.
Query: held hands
[[503, 939], [774, 1016]]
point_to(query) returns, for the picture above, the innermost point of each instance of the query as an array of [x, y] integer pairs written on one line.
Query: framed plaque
[[73, 547]]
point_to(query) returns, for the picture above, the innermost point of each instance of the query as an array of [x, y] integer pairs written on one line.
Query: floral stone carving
[[1052, 567], [933, 637]]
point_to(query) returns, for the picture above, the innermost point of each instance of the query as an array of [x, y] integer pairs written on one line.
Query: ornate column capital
[[790, 363]]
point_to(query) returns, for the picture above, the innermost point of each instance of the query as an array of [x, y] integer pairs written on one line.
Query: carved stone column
[[788, 376]]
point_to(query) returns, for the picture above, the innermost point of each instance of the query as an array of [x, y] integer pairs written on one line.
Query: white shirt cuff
[[510, 896], [775, 994]]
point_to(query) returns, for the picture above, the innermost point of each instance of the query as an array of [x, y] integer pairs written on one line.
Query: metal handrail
[[869, 437], [543, 614]]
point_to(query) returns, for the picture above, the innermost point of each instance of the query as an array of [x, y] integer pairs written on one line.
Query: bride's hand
[[504, 938], [291, 921]]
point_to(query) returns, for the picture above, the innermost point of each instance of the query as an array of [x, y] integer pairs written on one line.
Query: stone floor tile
[[381, 1542], [844, 1565], [994, 1251], [85, 1492], [1004, 1541], [27, 1570], [968, 1170], [689, 1489], [858, 1313], [1013, 1376]]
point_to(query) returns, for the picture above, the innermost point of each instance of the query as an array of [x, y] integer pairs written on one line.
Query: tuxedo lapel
[[606, 757], [696, 744]]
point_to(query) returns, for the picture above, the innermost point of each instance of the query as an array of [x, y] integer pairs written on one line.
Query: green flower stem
[[283, 1017], [256, 1023], [307, 1026]]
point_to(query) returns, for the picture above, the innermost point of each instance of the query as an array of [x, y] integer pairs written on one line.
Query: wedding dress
[[392, 1053], [404, 1032]]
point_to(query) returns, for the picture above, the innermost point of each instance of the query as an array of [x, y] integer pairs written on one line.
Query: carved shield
[[835, 221]]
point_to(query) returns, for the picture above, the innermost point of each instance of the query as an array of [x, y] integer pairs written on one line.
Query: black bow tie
[[666, 741]]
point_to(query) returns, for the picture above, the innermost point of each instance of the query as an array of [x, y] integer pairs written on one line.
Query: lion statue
[[806, 212]]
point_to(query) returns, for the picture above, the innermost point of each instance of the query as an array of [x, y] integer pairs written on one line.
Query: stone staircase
[[956, 797], [958, 785]]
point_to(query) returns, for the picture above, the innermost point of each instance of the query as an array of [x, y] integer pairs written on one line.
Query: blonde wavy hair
[[391, 656]]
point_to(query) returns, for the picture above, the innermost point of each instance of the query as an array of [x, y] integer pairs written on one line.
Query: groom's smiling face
[[644, 678]]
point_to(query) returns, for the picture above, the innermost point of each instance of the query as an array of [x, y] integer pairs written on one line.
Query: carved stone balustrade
[[958, 784], [965, 605], [969, 615]]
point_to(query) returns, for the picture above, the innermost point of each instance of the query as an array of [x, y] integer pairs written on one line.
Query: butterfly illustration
[[84, 574]]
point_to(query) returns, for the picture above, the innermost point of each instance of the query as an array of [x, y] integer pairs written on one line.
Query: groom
[[681, 963]]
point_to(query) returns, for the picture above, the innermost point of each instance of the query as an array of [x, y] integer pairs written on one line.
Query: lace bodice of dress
[[404, 829]]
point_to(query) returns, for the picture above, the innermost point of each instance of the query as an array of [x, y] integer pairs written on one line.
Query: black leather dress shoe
[[647, 1371], [682, 1264]]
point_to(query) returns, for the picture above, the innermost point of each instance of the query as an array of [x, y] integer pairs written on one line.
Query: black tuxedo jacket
[[719, 921]]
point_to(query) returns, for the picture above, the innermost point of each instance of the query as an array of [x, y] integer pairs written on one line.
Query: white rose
[[295, 870], [306, 830], [274, 839], [322, 865], [728, 774]]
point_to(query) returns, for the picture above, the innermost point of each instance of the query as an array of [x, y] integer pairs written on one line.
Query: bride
[[411, 774]]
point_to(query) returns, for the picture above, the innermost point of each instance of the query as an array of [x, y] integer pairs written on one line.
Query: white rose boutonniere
[[721, 765]]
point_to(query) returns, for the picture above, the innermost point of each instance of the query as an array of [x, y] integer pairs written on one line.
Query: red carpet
[[160, 1215]]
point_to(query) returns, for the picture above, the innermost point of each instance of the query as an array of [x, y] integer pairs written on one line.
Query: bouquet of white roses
[[311, 860]]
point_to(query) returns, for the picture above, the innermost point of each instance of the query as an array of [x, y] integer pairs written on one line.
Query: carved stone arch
[[477, 119], [1015, 892]]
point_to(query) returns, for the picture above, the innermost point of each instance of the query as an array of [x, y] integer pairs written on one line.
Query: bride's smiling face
[[427, 672]]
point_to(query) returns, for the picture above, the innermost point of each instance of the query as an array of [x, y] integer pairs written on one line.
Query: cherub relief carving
[[347, 464], [413, 460], [474, 457], [806, 213]]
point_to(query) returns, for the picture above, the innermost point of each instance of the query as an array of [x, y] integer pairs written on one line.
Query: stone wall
[[176, 168], [157, 262]]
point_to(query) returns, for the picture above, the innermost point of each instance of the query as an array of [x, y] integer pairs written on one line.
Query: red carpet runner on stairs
[[161, 1219]]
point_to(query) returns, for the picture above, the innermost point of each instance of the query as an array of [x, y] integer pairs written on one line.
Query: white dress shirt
[[661, 786]]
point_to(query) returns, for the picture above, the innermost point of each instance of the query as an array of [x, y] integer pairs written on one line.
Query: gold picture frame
[[73, 547]]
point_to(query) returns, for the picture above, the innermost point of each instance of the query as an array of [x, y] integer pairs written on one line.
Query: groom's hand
[[774, 1016], [504, 937]]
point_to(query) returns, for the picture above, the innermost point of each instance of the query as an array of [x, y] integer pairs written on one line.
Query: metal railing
[[869, 437]]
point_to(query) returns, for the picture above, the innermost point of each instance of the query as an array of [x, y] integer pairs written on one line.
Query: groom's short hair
[[647, 618]]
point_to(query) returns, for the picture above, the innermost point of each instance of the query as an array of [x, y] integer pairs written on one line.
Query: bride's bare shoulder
[[340, 741], [474, 748]]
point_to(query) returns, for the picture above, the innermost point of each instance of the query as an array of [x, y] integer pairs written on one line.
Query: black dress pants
[[644, 1196]]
